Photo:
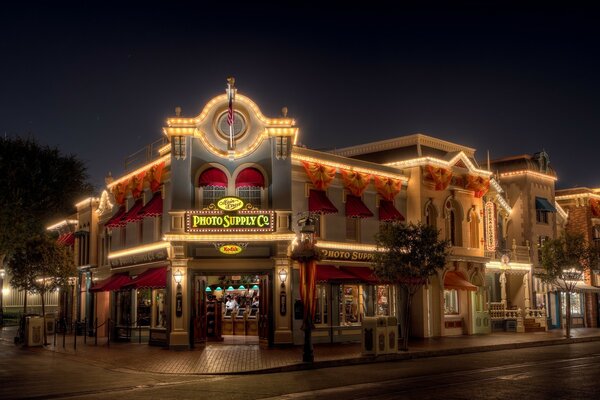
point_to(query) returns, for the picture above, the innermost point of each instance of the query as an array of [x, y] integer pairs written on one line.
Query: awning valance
[[330, 273], [114, 282], [153, 278], [116, 219], [66, 239], [250, 177], [365, 274], [213, 177], [543, 204], [355, 207], [387, 212], [153, 208], [585, 288], [319, 203], [132, 214], [453, 280]]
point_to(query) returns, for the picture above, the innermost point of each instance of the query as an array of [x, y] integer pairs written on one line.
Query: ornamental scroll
[[119, 191], [387, 188], [155, 176], [137, 185], [355, 182], [478, 184], [440, 176], [595, 207], [320, 175]]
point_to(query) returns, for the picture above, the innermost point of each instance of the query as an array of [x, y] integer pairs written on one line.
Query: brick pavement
[[220, 358]]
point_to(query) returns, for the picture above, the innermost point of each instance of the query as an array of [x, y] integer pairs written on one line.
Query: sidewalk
[[218, 358]]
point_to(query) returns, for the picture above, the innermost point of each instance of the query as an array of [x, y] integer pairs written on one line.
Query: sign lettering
[[230, 203], [230, 249], [241, 221], [346, 255]]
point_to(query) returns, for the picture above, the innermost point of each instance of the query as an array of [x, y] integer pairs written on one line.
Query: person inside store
[[231, 304], [255, 302]]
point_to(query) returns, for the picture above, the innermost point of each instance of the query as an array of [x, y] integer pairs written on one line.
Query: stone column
[[503, 289], [179, 308], [526, 288]]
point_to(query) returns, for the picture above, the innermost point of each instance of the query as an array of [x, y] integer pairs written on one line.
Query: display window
[[451, 302], [321, 312], [144, 307], [576, 304], [159, 312], [383, 300], [123, 307], [351, 307]]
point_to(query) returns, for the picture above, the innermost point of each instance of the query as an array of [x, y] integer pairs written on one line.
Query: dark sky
[[99, 79]]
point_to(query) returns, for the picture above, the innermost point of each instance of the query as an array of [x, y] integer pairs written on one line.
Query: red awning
[[331, 273], [213, 177], [454, 280], [114, 282], [365, 274], [116, 219], [153, 208], [66, 239], [355, 207], [132, 214], [319, 203], [250, 177], [152, 278], [387, 211]]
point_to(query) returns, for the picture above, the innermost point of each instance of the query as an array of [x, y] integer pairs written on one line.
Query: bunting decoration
[[308, 288], [387, 188], [595, 207], [320, 175], [441, 177], [478, 184], [137, 185], [119, 191], [155, 176], [355, 182]]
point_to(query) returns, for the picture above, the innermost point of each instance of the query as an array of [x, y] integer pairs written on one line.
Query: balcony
[[519, 254]]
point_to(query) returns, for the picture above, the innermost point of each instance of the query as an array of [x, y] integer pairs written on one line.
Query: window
[[541, 216], [144, 304], [596, 235], [576, 304], [318, 219], [452, 226], [321, 312], [159, 312], [351, 305], [383, 300], [451, 301], [124, 307], [213, 186], [541, 241], [454, 218], [211, 194], [430, 215], [474, 230], [250, 194], [352, 229]]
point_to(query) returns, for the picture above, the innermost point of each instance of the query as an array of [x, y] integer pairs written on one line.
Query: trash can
[[369, 326], [392, 334], [50, 323], [34, 331], [381, 335]]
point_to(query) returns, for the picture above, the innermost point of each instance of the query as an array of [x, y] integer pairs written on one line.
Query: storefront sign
[[146, 257], [346, 255], [248, 221], [490, 226], [230, 249], [230, 203]]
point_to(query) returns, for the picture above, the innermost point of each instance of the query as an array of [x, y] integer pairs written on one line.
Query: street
[[562, 371]]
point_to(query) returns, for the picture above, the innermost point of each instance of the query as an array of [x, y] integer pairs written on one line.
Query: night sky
[[99, 79]]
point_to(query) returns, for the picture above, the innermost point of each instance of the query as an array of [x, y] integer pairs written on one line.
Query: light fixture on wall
[[283, 276], [178, 276]]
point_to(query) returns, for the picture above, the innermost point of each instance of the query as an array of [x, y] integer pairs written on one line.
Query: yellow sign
[[230, 249], [230, 203]]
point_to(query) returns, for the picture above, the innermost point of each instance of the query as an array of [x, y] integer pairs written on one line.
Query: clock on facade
[[239, 125]]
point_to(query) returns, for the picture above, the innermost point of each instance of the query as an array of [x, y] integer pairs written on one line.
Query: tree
[[565, 261], [408, 255], [38, 184], [41, 266]]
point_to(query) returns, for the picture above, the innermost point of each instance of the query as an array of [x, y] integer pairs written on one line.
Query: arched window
[[473, 229], [249, 186], [430, 215], [454, 219], [213, 186]]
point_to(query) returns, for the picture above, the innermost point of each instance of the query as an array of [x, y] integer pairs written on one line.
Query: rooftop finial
[[178, 111], [231, 80], [284, 112], [108, 179]]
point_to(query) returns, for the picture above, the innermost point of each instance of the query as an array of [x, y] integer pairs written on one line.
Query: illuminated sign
[[230, 249], [230, 203], [490, 226], [346, 255], [257, 221]]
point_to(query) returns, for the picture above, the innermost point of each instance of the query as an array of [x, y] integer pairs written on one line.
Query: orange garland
[[119, 191], [320, 175], [137, 184], [155, 175], [387, 188], [478, 184], [355, 182], [595, 206], [441, 177]]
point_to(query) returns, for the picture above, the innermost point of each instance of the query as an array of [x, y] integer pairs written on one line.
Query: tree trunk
[[44, 316], [25, 302], [568, 316], [406, 321]]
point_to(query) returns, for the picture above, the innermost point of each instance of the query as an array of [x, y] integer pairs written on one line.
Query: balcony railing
[[521, 254], [144, 155]]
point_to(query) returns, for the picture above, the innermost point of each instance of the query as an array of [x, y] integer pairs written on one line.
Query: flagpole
[[230, 115]]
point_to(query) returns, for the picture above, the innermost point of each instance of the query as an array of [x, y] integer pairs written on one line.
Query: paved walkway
[[219, 358]]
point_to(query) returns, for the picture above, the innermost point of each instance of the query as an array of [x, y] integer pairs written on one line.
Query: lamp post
[[306, 254], [2, 274]]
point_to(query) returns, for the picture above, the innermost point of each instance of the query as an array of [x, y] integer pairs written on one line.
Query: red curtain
[[250, 177], [213, 177]]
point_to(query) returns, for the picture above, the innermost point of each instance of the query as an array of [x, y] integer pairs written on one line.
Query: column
[[282, 312], [503, 289], [179, 308]]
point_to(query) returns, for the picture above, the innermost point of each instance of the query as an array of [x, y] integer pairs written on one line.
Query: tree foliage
[[408, 255], [565, 261], [38, 185]]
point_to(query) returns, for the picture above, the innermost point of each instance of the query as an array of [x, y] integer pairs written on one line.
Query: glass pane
[[451, 301], [350, 305]]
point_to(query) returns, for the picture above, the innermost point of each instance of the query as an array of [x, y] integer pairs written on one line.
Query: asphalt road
[[556, 372]]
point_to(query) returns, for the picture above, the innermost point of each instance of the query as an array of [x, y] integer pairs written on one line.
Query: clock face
[[239, 125]]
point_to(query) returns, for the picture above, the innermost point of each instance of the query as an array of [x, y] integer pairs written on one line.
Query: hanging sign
[[490, 226], [247, 221], [346, 255], [230, 249], [230, 203]]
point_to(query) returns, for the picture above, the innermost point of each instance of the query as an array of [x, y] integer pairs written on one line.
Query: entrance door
[[198, 309], [264, 322]]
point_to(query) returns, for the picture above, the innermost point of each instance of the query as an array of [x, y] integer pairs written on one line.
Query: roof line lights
[[346, 246], [177, 237], [527, 172], [61, 223], [166, 159], [432, 160], [139, 249]]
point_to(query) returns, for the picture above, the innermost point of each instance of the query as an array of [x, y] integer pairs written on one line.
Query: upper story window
[[596, 234], [430, 215], [213, 186], [453, 222], [473, 229], [249, 186], [542, 208]]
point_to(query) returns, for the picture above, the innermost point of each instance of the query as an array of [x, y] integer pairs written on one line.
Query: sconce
[[178, 276], [283, 277]]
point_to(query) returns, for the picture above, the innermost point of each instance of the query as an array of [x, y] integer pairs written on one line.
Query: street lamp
[[306, 255], [2, 275]]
